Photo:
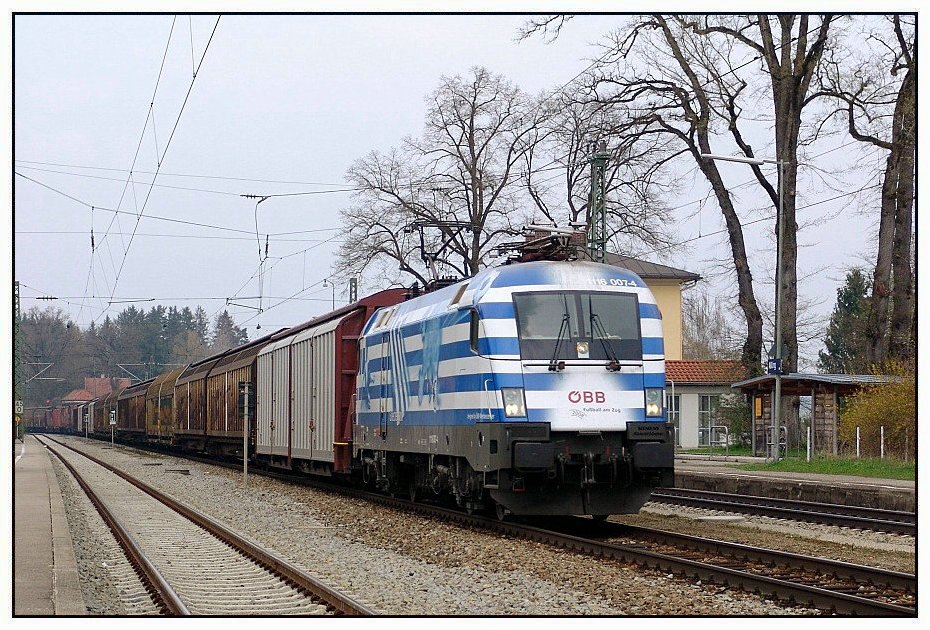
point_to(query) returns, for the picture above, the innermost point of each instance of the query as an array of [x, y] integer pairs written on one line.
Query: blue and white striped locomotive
[[535, 388]]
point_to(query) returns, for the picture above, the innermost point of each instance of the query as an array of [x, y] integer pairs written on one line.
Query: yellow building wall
[[668, 298]]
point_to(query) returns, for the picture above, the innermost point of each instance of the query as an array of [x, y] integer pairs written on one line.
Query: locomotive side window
[[473, 331]]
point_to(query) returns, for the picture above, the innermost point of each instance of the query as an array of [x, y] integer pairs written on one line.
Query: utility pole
[[775, 358], [18, 402], [353, 290], [597, 223]]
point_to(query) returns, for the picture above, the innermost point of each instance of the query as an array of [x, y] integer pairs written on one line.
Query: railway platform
[[45, 570], [720, 475]]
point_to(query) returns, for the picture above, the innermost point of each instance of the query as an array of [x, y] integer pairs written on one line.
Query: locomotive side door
[[383, 413]]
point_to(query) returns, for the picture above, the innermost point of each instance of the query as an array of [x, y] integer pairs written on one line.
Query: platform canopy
[[826, 392], [801, 384]]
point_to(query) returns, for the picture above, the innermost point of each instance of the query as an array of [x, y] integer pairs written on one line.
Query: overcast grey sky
[[295, 99]]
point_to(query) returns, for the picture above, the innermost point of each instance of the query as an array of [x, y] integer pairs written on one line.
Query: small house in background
[[666, 284], [693, 391]]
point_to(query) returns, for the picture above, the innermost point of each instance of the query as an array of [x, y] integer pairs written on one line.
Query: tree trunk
[[877, 325], [752, 347], [900, 346], [788, 92]]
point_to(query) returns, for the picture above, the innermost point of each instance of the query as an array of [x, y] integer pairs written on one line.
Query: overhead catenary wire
[[278, 259], [164, 153], [190, 175], [191, 236], [191, 188], [134, 158]]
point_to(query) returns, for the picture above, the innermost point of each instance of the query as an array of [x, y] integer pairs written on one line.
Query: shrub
[[735, 413], [892, 405]]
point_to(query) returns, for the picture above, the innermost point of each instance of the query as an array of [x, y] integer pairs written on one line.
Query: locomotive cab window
[[578, 325]]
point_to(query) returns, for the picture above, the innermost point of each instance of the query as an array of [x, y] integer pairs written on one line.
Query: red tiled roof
[[103, 385], [724, 372], [78, 394]]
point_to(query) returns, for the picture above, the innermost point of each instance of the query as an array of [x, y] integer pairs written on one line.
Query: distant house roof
[[103, 385], [704, 372], [78, 395], [650, 270], [800, 382]]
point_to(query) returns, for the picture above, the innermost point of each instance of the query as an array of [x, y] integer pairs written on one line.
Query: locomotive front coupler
[[587, 471]]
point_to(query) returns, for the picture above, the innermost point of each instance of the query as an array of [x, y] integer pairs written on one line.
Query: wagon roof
[[160, 381], [138, 389]]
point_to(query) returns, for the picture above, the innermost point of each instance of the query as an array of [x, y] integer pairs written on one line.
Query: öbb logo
[[576, 396]]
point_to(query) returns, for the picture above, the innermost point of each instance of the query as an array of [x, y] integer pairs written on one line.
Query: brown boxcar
[[224, 422], [190, 395], [38, 419], [159, 407], [101, 409], [130, 418]]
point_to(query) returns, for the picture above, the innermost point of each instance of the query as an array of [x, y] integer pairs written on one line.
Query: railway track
[[217, 573], [830, 586], [890, 521]]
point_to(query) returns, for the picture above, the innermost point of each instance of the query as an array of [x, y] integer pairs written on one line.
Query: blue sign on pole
[[774, 366]]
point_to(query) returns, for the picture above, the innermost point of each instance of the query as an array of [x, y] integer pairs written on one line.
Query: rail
[[890, 521], [165, 597], [339, 602]]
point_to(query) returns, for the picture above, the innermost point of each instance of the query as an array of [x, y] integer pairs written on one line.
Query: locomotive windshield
[[573, 325]]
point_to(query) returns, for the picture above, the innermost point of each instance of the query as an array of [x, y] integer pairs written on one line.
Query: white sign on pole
[[19, 408]]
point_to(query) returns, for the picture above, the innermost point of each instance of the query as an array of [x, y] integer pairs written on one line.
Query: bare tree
[[707, 332], [636, 183], [680, 76], [465, 168], [875, 99]]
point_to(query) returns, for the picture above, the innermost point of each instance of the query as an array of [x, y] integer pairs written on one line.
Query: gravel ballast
[[879, 549], [109, 584], [401, 563]]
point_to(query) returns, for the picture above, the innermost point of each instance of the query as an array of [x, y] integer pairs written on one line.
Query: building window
[[673, 405], [707, 416]]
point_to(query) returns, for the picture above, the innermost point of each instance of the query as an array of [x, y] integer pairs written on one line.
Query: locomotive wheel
[[501, 512]]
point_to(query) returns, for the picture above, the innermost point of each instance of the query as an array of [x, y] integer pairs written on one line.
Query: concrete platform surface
[[721, 476], [45, 571]]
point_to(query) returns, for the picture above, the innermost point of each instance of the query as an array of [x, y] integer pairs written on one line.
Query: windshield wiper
[[613, 364], [554, 364]]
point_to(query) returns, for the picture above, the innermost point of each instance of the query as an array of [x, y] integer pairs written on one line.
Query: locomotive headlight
[[653, 402], [514, 402]]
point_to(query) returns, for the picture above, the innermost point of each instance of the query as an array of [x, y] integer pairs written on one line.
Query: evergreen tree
[[189, 348], [846, 342], [201, 325], [226, 334]]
